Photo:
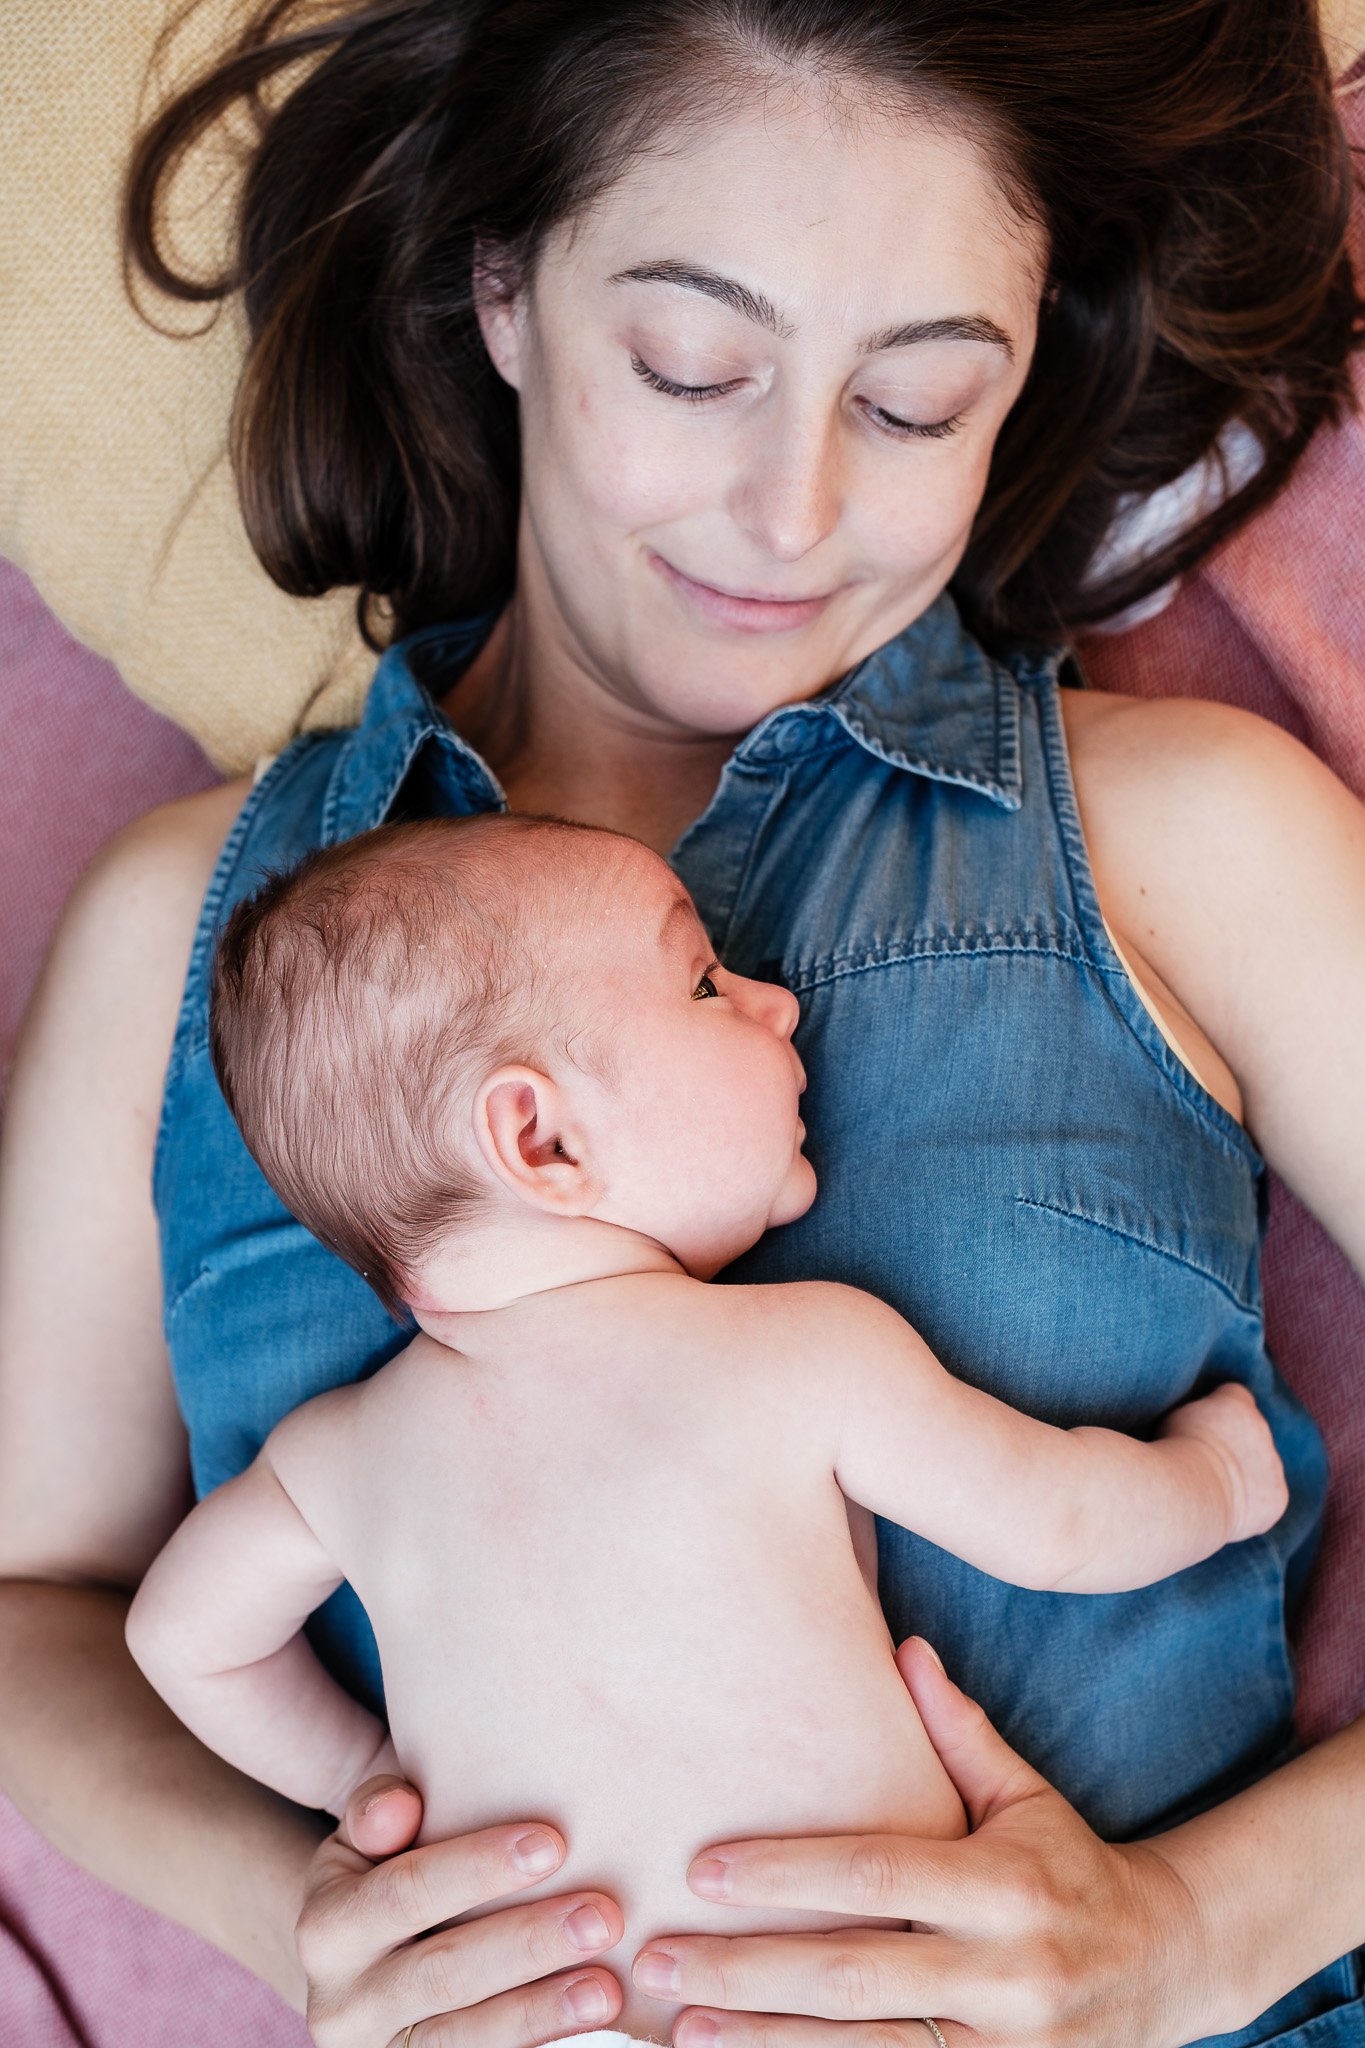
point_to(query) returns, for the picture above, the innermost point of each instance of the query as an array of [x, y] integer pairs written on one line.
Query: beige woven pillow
[[115, 491]]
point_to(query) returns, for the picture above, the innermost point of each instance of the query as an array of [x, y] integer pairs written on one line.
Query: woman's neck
[[560, 742]]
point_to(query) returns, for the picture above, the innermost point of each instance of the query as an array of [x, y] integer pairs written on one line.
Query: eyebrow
[[754, 306], [680, 911]]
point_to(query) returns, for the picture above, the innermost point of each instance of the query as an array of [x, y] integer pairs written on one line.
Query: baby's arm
[[216, 1628], [1080, 1510]]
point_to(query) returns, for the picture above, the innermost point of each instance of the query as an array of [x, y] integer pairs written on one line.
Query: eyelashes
[[695, 394], [698, 394]]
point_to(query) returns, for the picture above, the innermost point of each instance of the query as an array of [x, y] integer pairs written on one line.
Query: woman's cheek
[[635, 459], [658, 477], [924, 514]]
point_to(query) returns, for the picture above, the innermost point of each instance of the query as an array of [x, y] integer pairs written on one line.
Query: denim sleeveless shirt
[[1007, 1151]]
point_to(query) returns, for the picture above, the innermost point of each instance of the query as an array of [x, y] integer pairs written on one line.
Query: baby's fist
[[1230, 1425]]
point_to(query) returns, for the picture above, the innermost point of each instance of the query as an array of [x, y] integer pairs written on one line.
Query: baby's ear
[[526, 1142]]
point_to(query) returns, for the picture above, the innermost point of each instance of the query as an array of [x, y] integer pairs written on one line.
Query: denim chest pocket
[[1020, 1179]]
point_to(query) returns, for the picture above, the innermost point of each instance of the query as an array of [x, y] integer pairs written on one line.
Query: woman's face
[[759, 388]]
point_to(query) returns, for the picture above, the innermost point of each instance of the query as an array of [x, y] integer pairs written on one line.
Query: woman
[[657, 368]]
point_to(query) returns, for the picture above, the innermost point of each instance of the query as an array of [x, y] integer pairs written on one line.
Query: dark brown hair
[[1185, 156], [359, 996]]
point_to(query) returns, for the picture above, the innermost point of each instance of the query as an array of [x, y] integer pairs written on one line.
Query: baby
[[613, 1527]]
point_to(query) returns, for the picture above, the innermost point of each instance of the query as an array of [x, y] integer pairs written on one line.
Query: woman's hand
[[374, 1968], [1029, 1933]]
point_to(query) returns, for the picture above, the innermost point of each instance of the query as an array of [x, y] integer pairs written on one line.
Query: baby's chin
[[797, 1193]]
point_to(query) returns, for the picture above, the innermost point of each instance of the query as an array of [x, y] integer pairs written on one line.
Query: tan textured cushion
[[115, 491]]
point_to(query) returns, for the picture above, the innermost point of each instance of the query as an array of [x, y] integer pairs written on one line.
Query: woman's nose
[[787, 495]]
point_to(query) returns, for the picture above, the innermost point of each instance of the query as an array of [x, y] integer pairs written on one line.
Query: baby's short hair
[[358, 998]]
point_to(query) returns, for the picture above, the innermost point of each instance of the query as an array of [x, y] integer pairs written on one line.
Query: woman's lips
[[744, 614]]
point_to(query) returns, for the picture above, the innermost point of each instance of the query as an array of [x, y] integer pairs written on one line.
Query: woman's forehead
[[869, 218]]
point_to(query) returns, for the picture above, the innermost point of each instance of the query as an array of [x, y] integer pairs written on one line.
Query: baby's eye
[[705, 987]]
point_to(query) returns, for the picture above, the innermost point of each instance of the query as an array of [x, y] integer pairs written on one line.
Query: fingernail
[[655, 1970], [586, 1928], [712, 1876], [535, 1852], [586, 2000], [698, 2032], [932, 1652]]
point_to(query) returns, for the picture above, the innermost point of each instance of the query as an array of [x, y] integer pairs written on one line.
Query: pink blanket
[[1276, 622]]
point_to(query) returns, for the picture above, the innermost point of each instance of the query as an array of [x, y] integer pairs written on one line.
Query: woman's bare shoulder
[[124, 942], [137, 904], [80, 1303], [1108, 733], [1162, 779], [171, 849]]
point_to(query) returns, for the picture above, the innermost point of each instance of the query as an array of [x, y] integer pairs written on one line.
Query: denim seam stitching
[[1150, 1244], [895, 757], [958, 948], [190, 1032], [337, 797], [1141, 1026], [750, 853]]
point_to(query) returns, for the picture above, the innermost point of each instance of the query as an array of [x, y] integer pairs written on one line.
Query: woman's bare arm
[[93, 1464], [1234, 861]]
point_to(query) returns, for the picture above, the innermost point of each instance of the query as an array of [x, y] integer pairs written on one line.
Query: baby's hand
[[1229, 1423]]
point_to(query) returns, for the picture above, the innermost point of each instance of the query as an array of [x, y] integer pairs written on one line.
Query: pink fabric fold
[[81, 1967]]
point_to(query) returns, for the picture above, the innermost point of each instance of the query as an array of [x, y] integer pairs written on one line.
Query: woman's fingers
[[373, 1965], [903, 1877], [518, 2019], [848, 1974], [900, 1876], [491, 1981], [739, 2030], [987, 1773], [352, 1903]]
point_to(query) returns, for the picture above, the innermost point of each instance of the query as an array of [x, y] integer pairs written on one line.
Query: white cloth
[[604, 2037], [1143, 524]]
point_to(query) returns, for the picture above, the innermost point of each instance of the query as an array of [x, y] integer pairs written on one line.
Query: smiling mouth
[[744, 611]]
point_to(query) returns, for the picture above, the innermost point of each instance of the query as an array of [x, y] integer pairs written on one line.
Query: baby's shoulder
[[323, 1429], [786, 1342], [796, 1312], [802, 1316]]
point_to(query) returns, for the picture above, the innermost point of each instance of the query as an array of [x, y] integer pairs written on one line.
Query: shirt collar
[[935, 703], [402, 727], [931, 701]]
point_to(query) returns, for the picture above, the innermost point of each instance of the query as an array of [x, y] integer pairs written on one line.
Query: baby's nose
[[786, 1009]]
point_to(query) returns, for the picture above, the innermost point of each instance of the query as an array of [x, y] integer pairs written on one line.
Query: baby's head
[[502, 1019]]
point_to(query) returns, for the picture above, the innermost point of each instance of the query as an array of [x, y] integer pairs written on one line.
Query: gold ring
[[934, 2028], [407, 2035]]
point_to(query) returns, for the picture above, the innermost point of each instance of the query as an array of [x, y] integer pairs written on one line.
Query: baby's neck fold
[[502, 1263]]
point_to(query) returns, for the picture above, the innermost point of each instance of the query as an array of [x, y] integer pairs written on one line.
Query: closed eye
[[697, 394], [903, 428]]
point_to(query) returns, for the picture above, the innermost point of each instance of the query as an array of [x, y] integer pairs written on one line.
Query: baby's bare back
[[614, 1586]]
